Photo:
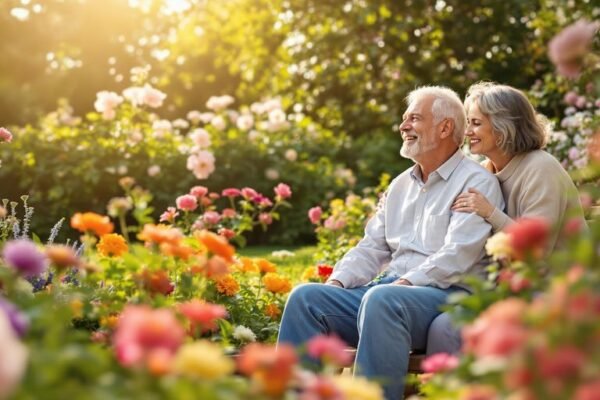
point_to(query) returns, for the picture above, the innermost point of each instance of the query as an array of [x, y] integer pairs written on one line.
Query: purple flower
[[18, 320], [24, 256]]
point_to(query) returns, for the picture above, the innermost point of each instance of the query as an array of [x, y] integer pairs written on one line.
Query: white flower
[[122, 170], [272, 174], [202, 164], [218, 122], [152, 97], [291, 155], [201, 138], [245, 122], [181, 123], [206, 117], [153, 170], [498, 246], [135, 95], [194, 116], [244, 334], [218, 103], [282, 254], [253, 135], [106, 102], [14, 357], [160, 128]]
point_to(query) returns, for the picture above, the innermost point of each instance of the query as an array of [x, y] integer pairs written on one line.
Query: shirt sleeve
[[463, 245], [368, 258]]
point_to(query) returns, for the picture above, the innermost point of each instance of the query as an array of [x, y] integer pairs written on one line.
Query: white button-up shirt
[[416, 235]]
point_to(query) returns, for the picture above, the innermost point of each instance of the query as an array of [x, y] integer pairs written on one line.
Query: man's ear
[[447, 128]]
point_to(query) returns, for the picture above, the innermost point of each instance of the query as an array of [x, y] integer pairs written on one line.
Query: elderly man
[[424, 248]]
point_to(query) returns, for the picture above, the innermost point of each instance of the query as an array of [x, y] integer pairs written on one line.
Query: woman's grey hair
[[446, 104], [514, 121]]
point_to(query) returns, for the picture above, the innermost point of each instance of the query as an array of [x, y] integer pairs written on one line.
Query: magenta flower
[[199, 191], [314, 214], [5, 135], [187, 202], [231, 192], [18, 320], [439, 362], [283, 191], [24, 256]]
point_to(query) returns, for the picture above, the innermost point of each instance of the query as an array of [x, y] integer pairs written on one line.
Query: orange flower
[[160, 233], [265, 266], [272, 310], [92, 222], [270, 368], [214, 267], [62, 256], [112, 245], [203, 315], [156, 282], [176, 250], [216, 244], [227, 285], [276, 284], [246, 264]]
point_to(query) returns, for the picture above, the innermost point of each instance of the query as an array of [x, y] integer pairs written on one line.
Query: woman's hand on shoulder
[[474, 202]]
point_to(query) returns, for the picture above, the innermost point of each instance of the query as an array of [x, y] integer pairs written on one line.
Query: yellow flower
[[276, 284], [112, 244], [202, 359], [77, 307], [358, 388], [227, 285], [498, 246], [310, 274], [265, 266], [246, 264]]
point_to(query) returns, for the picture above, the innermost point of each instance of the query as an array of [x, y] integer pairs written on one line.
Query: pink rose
[[199, 191], [211, 217], [231, 192], [249, 193], [571, 98], [5, 135], [265, 218], [283, 191], [439, 362], [329, 349], [187, 202], [314, 214], [567, 48], [228, 213], [169, 215], [226, 233]]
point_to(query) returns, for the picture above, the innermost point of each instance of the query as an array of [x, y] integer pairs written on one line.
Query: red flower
[[528, 237], [271, 368], [203, 315], [156, 282], [324, 271]]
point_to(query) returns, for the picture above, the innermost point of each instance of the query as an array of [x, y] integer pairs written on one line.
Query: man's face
[[419, 133]]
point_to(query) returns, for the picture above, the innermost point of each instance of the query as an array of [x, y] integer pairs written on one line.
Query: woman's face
[[479, 132]]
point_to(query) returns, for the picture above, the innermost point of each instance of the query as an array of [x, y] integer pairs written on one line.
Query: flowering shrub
[[341, 227], [68, 162]]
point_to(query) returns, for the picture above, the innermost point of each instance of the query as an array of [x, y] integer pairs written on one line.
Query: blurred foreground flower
[[203, 360], [568, 48], [270, 368], [25, 257], [13, 357], [5, 135]]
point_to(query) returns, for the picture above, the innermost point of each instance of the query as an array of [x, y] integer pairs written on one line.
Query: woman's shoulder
[[541, 159]]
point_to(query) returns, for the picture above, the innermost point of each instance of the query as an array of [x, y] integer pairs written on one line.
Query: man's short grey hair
[[518, 127], [446, 104]]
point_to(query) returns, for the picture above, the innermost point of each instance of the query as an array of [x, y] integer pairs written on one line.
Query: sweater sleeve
[[499, 220]]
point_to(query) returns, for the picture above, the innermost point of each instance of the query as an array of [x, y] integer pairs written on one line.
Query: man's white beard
[[416, 149]]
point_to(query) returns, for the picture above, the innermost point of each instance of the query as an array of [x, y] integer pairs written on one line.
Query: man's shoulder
[[471, 168]]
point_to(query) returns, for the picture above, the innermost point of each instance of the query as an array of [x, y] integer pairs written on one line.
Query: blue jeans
[[443, 336], [384, 322]]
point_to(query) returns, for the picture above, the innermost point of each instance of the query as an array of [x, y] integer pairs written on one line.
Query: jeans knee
[[305, 294]]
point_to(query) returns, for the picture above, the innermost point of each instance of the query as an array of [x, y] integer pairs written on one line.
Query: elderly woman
[[502, 125]]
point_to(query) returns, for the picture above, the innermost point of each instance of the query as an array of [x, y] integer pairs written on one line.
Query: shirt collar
[[444, 170]]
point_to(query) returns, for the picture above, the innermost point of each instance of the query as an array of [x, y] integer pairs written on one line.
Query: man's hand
[[402, 281], [334, 282]]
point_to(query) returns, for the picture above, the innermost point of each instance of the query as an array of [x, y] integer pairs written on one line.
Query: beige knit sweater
[[534, 184]]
